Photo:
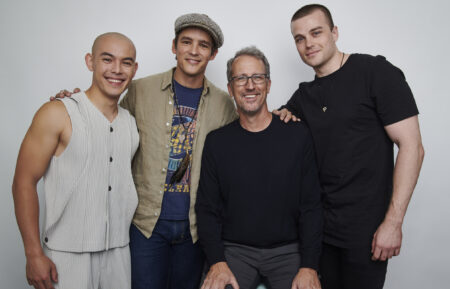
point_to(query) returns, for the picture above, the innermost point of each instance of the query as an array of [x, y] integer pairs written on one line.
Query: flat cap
[[202, 21]]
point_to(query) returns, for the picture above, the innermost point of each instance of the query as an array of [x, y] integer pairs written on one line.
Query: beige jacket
[[150, 101]]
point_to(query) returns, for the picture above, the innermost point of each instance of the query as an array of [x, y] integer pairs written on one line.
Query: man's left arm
[[310, 223], [405, 134]]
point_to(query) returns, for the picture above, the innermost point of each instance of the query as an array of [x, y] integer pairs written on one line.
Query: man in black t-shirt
[[258, 205], [356, 107]]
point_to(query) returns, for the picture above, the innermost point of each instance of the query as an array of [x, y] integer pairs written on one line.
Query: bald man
[[82, 147]]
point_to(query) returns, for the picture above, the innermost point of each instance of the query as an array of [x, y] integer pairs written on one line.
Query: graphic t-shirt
[[176, 200]]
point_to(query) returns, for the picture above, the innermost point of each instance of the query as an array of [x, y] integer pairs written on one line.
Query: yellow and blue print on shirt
[[176, 198]]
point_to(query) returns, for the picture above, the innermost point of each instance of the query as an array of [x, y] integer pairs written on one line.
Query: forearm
[[311, 219], [406, 172], [209, 231], [311, 238], [26, 204]]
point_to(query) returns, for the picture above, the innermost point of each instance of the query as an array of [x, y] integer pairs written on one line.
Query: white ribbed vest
[[90, 195]]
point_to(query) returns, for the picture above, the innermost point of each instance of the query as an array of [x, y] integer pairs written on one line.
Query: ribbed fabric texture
[[105, 269], [89, 191]]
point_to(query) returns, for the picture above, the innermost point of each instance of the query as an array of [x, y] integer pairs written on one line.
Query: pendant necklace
[[184, 164], [324, 99]]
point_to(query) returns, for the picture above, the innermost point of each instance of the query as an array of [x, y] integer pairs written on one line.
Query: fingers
[[54, 273], [383, 254], [234, 283], [48, 284], [276, 112], [376, 253], [64, 93], [287, 117]]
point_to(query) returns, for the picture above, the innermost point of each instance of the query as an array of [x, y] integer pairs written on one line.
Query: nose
[[194, 49], [249, 85], [116, 67], [308, 42]]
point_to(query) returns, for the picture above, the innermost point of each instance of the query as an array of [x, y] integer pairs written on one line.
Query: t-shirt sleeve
[[293, 104], [392, 95]]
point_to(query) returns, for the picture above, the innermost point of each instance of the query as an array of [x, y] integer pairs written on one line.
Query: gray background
[[42, 50]]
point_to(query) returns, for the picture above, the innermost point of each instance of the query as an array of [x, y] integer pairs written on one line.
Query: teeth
[[250, 96], [115, 80]]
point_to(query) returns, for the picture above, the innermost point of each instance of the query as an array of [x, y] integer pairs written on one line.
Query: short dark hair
[[214, 44], [308, 9]]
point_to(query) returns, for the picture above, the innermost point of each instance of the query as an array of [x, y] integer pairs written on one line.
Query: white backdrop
[[42, 50]]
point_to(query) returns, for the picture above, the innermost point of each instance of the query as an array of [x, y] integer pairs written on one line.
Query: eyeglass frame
[[250, 77]]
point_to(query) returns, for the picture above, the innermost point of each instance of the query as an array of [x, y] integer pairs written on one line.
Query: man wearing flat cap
[[174, 112]]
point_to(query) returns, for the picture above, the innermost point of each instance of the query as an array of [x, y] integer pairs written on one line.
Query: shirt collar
[[167, 82]]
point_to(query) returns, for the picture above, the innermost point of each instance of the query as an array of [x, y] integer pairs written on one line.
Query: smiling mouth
[[312, 53], [115, 81], [193, 61], [250, 96]]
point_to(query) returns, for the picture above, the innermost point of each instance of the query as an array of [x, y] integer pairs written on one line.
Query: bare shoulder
[[51, 116]]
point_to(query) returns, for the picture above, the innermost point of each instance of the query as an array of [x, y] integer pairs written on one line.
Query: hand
[[219, 276], [285, 115], [64, 93], [387, 241], [41, 272], [306, 278]]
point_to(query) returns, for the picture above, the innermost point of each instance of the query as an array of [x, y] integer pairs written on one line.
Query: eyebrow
[[110, 55], [316, 28], [311, 30], [190, 39]]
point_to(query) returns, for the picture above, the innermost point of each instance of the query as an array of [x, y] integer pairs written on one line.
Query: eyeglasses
[[242, 80]]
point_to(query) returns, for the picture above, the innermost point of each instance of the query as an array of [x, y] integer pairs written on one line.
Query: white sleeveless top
[[90, 195]]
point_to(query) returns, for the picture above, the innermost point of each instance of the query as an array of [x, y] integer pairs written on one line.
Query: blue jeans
[[166, 260]]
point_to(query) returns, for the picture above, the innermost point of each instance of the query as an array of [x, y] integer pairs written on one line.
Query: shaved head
[[116, 36], [113, 63]]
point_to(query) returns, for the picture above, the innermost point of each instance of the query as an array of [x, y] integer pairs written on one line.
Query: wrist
[[395, 221], [307, 270], [34, 252]]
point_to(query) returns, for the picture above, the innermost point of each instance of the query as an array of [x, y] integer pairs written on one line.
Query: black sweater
[[260, 189]]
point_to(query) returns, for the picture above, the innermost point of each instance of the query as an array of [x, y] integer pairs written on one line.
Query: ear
[[230, 90], [135, 69], [335, 33], [89, 61], [269, 83], [174, 47]]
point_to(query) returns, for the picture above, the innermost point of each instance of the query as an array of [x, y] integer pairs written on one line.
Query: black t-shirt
[[354, 153], [260, 189]]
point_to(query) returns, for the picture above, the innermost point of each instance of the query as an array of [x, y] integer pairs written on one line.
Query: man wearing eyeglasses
[[258, 204]]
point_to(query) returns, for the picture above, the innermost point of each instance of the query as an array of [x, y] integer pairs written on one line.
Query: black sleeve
[[293, 104], [393, 97], [208, 207], [311, 224]]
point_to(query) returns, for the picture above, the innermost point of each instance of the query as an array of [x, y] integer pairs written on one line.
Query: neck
[[190, 81], [257, 122], [105, 104], [333, 64]]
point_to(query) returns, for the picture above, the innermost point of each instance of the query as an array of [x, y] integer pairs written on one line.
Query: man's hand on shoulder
[[387, 240], [41, 272], [285, 115], [306, 278], [64, 93], [219, 276]]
